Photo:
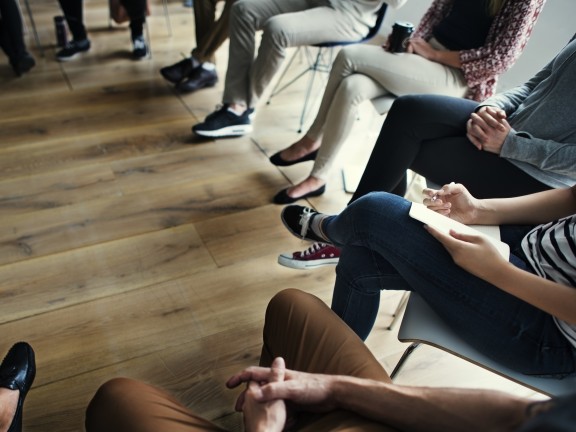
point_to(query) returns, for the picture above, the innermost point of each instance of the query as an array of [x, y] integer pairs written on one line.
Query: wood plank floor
[[127, 247]]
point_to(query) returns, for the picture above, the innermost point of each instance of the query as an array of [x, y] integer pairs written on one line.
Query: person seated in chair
[[74, 13], [316, 375], [459, 49], [199, 70], [12, 39], [517, 142], [285, 23], [519, 311]]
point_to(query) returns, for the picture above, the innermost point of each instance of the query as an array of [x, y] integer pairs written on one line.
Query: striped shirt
[[551, 251]]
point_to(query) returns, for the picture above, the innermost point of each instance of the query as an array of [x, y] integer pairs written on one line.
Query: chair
[[422, 325], [322, 62]]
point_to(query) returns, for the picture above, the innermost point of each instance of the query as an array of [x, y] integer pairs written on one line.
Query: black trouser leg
[[74, 14]]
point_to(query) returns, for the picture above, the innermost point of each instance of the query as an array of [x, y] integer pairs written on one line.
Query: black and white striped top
[[551, 251]]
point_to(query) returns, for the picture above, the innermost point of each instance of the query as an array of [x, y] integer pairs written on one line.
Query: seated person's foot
[[17, 373], [224, 122], [23, 64], [139, 48], [73, 49], [311, 187], [304, 149], [304, 223], [317, 255], [179, 71], [199, 78]]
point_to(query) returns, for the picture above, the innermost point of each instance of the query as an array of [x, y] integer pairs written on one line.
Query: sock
[[316, 226], [208, 66]]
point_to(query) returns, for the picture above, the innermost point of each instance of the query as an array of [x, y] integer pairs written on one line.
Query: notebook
[[445, 224]]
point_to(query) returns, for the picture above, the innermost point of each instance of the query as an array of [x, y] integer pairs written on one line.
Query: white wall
[[554, 28]]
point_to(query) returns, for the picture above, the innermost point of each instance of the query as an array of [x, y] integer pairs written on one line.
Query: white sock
[[208, 66], [316, 226]]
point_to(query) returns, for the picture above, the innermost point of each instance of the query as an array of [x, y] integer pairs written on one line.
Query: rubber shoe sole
[[236, 130], [287, 260]]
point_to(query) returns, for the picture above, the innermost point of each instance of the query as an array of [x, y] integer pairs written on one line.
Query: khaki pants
[[364, 72], [298, 327], [285, 23]]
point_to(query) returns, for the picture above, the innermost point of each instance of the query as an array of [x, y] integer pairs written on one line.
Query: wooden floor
[[129, 248]]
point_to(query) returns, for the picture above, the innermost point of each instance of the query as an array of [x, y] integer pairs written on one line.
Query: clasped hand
[[488, 128], [474, 253], [263, 402]]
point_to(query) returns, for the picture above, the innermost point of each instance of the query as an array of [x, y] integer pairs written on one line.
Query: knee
[[379, 209], [240, 11], [284, 301], [107, 397], [350, 90], [274, 31]]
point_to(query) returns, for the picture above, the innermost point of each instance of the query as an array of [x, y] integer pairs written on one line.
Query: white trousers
[[362, 72]]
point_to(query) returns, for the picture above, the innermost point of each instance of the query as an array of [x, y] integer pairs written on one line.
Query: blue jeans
[[384, 248]]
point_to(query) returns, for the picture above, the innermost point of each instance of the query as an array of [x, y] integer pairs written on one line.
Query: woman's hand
[[474, 253], [453, 200], [488, 128], [260, 415], [422, 48]]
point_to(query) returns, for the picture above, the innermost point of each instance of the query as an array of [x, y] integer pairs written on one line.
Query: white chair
[[421, 325]]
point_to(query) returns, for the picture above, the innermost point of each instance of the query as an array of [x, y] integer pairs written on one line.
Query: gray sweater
[[542, 113]]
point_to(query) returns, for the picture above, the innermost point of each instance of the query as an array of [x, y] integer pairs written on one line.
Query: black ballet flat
[[277, 160], [17, 372], [282, 197]]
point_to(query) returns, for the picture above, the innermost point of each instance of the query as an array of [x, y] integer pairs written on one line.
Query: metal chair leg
[[403, 359], [33, 24], [167, 17], [399, 309]]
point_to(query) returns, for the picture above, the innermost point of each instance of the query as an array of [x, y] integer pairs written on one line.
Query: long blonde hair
[[494, 6]]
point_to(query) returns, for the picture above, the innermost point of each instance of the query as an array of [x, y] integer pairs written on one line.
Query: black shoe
[[199, 78], [17, 372], [139, 48], [225, 123], [179, 71], [23, 64], [277, 160], [282, 197], [72, 49], [297, 219]]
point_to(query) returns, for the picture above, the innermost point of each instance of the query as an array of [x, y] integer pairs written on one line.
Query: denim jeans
[[384, 248]]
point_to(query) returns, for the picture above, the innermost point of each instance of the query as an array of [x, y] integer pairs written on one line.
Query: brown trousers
[[210, 32], [299, 327]]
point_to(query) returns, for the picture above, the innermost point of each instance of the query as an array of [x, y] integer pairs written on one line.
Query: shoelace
[[305, 219], [316, 247]]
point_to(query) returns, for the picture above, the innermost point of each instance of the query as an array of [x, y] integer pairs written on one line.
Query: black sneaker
[[297, 219], [139, 48], [198, 79], [72, 49], [23, 64], [179, 71], [224, 123]]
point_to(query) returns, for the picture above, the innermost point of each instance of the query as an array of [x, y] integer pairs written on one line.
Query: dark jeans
[[384, 248], [11, 39], [427, 134], [74, 14]]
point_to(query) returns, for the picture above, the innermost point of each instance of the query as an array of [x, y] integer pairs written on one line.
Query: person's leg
[[411, 121], [11, 35], [210, 33], [307, 27], [303, 330], [126, 405], [400, 251], [247, 17], [137, 12], [74, 14]]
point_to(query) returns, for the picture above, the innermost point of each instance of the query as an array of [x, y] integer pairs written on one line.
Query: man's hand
[[260, 415], [488, 128], [311, 392]]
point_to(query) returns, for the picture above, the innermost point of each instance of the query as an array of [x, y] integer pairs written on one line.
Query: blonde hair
[[495, 6]]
